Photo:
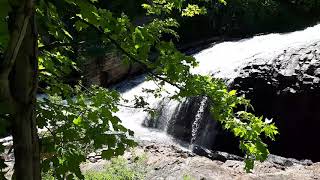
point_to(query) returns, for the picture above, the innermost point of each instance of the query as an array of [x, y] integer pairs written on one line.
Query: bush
[[118, 168], [240, 18]]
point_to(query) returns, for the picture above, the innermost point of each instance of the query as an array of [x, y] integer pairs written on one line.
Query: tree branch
[[19, 23], [15, 45], [132, 57], [58, 44]]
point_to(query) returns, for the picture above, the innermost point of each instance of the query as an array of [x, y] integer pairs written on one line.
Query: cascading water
[[198, 118], [188, 120], [145, 126]]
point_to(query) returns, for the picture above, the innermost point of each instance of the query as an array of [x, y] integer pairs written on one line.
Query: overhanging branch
[[132, 57]]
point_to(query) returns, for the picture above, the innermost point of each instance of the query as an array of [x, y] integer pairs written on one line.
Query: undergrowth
[[117, 168]]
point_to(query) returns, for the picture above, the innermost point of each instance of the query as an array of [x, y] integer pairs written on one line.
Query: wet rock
[[151, 146], [306, 162], [92, 159], [215, 155], [281, 160]]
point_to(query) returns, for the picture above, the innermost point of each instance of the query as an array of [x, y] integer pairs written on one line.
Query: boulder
[[215, 155], [287, 89]]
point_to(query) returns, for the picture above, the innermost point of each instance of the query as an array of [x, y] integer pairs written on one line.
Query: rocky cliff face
[[107, 70], [287, 89]]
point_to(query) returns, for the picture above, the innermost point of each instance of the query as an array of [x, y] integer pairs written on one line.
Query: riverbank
[[154, 161], [171, 162]]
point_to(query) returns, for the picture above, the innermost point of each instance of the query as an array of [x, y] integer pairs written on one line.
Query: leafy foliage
[[79, 120], [257, 16], [77, 125]]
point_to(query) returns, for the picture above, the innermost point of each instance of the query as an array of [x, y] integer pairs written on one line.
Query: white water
[[133, 118], [222, 60], [198, 117]]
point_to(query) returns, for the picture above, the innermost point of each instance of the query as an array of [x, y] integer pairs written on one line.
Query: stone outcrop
[[287, 89], [108, 70], [171, 162], [201, 131]]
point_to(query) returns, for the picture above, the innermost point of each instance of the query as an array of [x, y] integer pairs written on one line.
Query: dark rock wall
[[208, 133], [287, 89]]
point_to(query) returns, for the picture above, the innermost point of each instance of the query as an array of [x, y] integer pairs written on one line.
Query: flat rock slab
[[169, 162]]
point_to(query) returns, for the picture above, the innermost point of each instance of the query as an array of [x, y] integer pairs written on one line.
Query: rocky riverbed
[[170, 162]]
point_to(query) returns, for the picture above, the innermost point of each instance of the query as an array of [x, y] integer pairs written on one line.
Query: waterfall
[[145, 126], [198, 118], [188, 120]]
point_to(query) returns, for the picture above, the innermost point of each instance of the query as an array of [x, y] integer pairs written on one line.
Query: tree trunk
[[23, 80], [18, 77]]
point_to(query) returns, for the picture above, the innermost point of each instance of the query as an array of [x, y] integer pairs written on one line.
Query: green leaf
[[232, 92], [77, 121], [107, 154], [67, 33], [192, 10], [80, 25], [222, 2]]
